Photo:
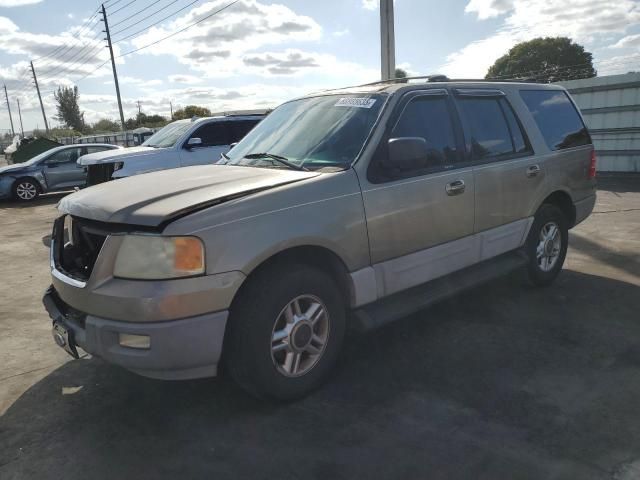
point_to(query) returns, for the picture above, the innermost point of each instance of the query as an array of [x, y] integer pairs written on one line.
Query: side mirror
[[194, 142], [407, 153]]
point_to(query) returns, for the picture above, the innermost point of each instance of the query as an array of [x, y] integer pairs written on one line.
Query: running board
[[401, 304]]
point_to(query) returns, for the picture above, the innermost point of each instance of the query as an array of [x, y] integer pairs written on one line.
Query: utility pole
[[387, 40], [113, 65], [171, 108], [20, 117], [35, 80], [139, 107], [13, 133]]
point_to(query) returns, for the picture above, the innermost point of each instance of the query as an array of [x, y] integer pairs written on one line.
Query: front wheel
[[285, 332], [26, 190], [547, 245]]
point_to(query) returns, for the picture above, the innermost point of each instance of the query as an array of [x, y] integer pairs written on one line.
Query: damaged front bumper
[[170, 350]]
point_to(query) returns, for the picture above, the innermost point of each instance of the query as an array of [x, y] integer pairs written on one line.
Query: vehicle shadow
[[499, 382], [619, 183], [44, 199]]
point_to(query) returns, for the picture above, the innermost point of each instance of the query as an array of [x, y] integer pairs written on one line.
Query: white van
[[196, 141]]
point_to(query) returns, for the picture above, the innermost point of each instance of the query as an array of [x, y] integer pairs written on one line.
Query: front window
[[168, 136], [312, 133]]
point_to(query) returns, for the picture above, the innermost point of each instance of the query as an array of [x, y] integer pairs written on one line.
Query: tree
[[401, 74], [68, 109], [544, 60], [191, 111], [105, 125]]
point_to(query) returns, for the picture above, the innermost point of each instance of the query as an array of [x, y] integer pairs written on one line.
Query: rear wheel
[[26, 190], [547, 245], [285, 332]]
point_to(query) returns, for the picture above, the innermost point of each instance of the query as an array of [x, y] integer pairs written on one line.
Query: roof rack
[[432, 79]]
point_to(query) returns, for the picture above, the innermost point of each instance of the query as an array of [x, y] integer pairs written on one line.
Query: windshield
[[313, 133], [167, 136]]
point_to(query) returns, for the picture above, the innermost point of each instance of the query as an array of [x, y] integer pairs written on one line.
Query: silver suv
[[354, 206]]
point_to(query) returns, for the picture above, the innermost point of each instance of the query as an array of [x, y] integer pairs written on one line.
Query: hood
[[12, 168], [118, 154], [154, 198]]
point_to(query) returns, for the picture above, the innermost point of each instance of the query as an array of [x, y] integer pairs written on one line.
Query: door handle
[[533, 170], [455, 188]]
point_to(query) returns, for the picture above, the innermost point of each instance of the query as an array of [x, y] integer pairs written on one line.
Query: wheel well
[[314, 256], [26, 177], [563, 201]]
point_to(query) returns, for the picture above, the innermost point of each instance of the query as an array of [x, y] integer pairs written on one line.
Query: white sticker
[[359, 102]]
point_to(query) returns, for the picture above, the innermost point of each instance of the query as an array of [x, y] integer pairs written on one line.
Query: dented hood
[[155, 198]]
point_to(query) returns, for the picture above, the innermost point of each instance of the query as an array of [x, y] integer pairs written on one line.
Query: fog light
[[134, 341]]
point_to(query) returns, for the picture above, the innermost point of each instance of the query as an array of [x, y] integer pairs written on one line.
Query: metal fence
[[611, 108]]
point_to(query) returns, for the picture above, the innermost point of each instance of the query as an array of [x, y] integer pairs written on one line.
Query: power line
[[122, 8], [142, 20], [134, 34], [179, 31]]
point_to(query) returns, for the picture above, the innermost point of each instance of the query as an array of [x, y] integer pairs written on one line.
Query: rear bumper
[[179, 349], [584, 208]]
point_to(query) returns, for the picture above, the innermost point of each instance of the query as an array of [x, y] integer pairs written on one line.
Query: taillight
[[592, 165]]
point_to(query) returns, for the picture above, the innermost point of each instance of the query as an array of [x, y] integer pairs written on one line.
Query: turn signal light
[[189, 255]]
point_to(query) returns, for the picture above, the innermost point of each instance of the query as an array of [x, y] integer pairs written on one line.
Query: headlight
[[150, 257]]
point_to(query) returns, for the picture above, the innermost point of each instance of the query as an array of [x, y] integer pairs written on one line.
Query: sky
[[256, 54]]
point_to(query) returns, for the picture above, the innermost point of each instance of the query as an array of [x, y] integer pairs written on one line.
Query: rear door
[[62, 171], [420, 221], [215, 140], [507, 175]]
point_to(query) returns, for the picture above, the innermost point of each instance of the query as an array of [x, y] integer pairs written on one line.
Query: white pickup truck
[[196, 141]]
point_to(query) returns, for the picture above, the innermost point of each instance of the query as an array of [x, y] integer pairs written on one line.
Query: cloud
[[341, 33], [370, 4], [284, 63], [585, 21], [75, 52], [218, 45], [630, 41], [488, 8], [188, 79], [17, 3]]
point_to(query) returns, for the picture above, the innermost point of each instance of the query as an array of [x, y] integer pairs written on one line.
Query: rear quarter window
[[557, 118]]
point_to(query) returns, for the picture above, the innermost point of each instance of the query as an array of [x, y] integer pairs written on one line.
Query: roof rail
[[434, 79]]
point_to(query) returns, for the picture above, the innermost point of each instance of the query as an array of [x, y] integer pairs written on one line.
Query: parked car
[[196, 141], [53, 170], [377, 201]]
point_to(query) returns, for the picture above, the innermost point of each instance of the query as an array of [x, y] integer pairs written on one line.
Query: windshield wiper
[[277, 158]]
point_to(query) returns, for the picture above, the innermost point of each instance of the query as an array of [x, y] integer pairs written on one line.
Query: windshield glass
[[167, 136], [318, 132]]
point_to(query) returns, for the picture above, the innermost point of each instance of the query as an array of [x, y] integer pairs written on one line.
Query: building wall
[[610, 106]]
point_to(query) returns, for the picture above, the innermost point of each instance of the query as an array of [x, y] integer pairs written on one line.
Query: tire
[[546, 247], [264, 349], [26, 190]]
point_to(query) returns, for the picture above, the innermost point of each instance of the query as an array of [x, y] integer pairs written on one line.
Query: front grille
[[77, 245]]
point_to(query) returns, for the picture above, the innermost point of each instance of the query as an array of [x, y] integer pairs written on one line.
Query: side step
[[417, 298]]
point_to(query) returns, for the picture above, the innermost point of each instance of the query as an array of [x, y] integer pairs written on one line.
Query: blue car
[[54, 170]]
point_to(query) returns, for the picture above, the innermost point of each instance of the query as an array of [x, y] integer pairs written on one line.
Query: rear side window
[[213, 134], [239, 128], [557, 118], [429, 118], [491, 128]]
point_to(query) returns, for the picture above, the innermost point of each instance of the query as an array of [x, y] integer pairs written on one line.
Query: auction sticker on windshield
[[358, 102]]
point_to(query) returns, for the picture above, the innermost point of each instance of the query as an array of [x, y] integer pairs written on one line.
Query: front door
[[420, 220], [215, 141], [62, 171]]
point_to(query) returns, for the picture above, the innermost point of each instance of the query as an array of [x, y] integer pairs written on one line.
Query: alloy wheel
[[299, 335], [26, 191], [549, 246]]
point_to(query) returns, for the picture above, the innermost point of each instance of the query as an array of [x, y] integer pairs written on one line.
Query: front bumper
[[179, 349]]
